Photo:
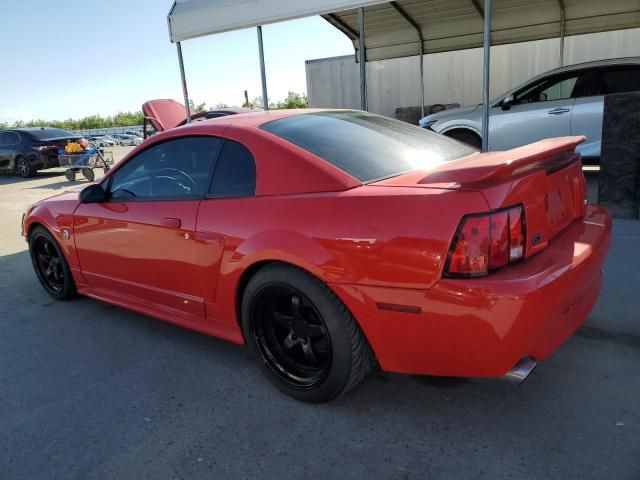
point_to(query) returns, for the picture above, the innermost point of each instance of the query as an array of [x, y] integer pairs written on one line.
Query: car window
[[620, 79], [9, 138], [235, 172], [366, 146], [175, 169], [557, 87]]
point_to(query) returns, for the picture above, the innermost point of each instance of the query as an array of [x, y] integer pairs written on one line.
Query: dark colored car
[[27, 150]]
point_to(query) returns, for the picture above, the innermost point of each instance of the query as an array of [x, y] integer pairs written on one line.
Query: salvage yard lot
[[88, 390]]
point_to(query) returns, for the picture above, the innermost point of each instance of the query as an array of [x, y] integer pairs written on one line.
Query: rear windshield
[[366, 146], [48, 133]]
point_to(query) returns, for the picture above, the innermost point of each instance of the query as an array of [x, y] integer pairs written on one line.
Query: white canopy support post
[[403, 13], [486, 64], [563, 28], [263, 72], [184, 83], [363, 61]]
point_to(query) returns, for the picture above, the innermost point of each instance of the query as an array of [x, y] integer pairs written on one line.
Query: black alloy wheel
[[50, 265], [291, 336], [304, 338]]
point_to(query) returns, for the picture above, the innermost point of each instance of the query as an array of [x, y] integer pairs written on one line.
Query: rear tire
[[24, 167], [70, 175], [50, 265], [467, 137], [303, 337]]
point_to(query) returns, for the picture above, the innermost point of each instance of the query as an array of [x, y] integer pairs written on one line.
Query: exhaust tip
[[521, 370]]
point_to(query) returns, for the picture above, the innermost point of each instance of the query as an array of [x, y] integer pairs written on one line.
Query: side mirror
[[506, 102], [93, 194]]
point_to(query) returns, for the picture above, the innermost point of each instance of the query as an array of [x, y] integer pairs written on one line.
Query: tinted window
[[615, 80], [9, 138], [173, 169], [366, 146], [557, 87], [12, 138], [47, 133], [235, 173]]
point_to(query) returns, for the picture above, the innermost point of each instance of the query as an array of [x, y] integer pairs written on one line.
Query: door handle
[[558, 111], [171, 222]]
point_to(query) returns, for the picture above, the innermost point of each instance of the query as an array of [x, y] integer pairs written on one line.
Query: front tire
[[305, 340], [24, 167], [50, 265]]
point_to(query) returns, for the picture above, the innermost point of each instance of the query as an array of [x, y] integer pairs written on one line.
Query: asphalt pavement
[[92, 391]]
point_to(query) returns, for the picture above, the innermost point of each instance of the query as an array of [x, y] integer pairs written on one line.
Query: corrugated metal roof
[[445, 24], [457, 24]]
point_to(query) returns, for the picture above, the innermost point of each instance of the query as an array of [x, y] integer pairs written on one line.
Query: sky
[[79, 58]]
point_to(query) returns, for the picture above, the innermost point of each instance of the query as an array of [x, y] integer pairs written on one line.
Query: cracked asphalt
[[92, 391]]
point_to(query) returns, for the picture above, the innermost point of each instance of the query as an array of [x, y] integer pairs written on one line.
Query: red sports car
[[330, 241]]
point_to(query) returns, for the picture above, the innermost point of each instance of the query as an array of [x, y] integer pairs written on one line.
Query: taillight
[[487, 242], [44, 148]]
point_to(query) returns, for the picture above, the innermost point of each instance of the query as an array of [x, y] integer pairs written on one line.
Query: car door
[[540, 110], [140, 244], [220, 215], [589, 107]]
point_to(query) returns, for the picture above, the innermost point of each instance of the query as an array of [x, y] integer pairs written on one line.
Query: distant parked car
[[564, 101], [27, 150], [103, 141], [124, 139]]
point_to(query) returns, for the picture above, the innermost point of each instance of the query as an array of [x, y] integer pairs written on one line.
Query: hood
[[451, 113]]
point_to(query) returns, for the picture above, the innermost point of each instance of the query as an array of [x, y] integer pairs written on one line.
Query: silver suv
[[564, 101]]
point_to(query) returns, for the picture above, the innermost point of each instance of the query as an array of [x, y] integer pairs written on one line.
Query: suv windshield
[[366, 146]]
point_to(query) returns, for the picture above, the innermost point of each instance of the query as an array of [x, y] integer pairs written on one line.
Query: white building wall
[[454, 77]]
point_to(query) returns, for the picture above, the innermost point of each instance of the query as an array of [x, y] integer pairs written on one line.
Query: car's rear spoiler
[[497, 166]]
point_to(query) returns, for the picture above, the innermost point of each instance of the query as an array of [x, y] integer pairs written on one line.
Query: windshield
[[366, 146]]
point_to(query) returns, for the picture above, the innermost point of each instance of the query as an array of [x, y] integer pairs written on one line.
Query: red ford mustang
[[332, 240]]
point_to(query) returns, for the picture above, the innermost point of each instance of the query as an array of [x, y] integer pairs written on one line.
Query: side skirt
[[203, 325]]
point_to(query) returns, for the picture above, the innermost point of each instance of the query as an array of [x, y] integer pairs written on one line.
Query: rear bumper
[[42, 161], [484, 326]]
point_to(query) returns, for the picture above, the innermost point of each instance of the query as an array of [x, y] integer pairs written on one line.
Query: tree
[[201, 107], [293, 100]]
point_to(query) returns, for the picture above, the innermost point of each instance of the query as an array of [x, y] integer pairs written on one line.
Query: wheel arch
[[32, 226], [467, 131], [461, 128], [252, 268]]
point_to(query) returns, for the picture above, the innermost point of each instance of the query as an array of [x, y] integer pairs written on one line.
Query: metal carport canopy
[[197, 18], [457, 24], [383, 30]]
